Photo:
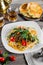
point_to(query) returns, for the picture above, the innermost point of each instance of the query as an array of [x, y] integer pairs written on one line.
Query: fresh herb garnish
[[24, 34], [5, 54], [5, 58]]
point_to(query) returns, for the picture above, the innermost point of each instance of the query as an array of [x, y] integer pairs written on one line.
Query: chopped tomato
[[12, 58], [12, 39], [24, 43]]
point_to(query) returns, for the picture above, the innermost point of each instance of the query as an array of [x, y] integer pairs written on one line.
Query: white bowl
[[8, 27]]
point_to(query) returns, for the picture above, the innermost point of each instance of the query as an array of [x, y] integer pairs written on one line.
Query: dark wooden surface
[[20, 60]]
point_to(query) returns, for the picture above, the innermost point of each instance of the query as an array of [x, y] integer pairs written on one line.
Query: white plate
[[8, 27]]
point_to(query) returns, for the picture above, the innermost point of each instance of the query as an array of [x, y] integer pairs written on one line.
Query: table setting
[[21, 32]]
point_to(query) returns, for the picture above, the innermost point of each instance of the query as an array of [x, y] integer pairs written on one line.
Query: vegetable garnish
[[2, 59], [24, 43], [21, 38], [5, 58], [12, 39], [12, 58]]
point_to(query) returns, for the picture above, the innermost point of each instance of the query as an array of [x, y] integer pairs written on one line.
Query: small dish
[[10, 26], [30, 11], [28, 18]]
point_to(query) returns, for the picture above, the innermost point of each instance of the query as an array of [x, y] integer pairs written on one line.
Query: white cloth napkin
[[31, 61]]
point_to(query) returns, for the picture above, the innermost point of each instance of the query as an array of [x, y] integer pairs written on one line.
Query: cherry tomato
[[12, 39], [12, 58], [24, 43], [2, 59]]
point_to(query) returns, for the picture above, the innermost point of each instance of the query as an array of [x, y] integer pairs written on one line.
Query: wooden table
[[20, 59]]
